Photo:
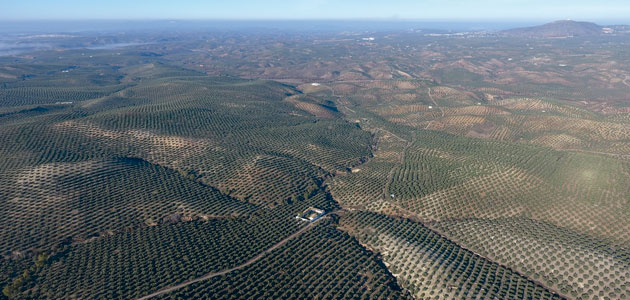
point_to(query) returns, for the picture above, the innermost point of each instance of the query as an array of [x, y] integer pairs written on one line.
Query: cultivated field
[[474, 166]]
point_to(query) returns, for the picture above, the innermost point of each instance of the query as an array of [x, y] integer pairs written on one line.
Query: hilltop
[[563, 28]]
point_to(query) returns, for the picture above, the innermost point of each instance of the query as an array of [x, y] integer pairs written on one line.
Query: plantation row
[[529, 105], [574, 264], [155, 70], [49, 95], [450, 177], [432, 267], [323, 263], [81, 72], [132, 264], [364, 185], [544, 121], [240, 143], [52, 202], [591, 134], [96, 185], [230, 134], [445, 176], [580, 199]]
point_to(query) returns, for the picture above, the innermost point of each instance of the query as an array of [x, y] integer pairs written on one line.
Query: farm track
[[404, 151], [386, 196], [305, 80], [436, 105], [413, 215], [407, 214], [241, 266], [625, 80], [596, 152], [390, 175], [428, 224], [392, 134], [332, 90], [402, 157]]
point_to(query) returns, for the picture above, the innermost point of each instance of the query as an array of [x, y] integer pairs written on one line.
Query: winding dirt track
[[409, 143], [223, 272], [436, 105], [596, 152]]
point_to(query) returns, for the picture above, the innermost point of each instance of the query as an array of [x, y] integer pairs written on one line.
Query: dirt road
[[390, 175], [247, 263], [595, 152], [436, 105], [404, 151]]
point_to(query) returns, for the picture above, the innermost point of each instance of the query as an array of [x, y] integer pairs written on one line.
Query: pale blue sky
[[591, 10]]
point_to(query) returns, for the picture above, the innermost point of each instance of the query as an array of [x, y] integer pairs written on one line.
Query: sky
[[464, 10]]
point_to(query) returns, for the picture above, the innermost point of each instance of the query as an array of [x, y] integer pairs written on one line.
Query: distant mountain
[[565, 28]]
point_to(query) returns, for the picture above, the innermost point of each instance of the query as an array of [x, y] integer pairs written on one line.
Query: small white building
[[312, 214]]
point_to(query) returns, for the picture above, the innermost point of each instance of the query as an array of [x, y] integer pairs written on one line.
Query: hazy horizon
[[406, 10], [312, 25]]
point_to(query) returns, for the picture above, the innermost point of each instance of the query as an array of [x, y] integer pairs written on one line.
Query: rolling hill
[[558, 29]]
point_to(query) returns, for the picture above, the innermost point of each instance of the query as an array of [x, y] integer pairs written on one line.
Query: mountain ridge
[[561, 29]]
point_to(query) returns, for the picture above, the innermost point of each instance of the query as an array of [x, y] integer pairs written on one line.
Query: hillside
[[320, 166], [557, 29]]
